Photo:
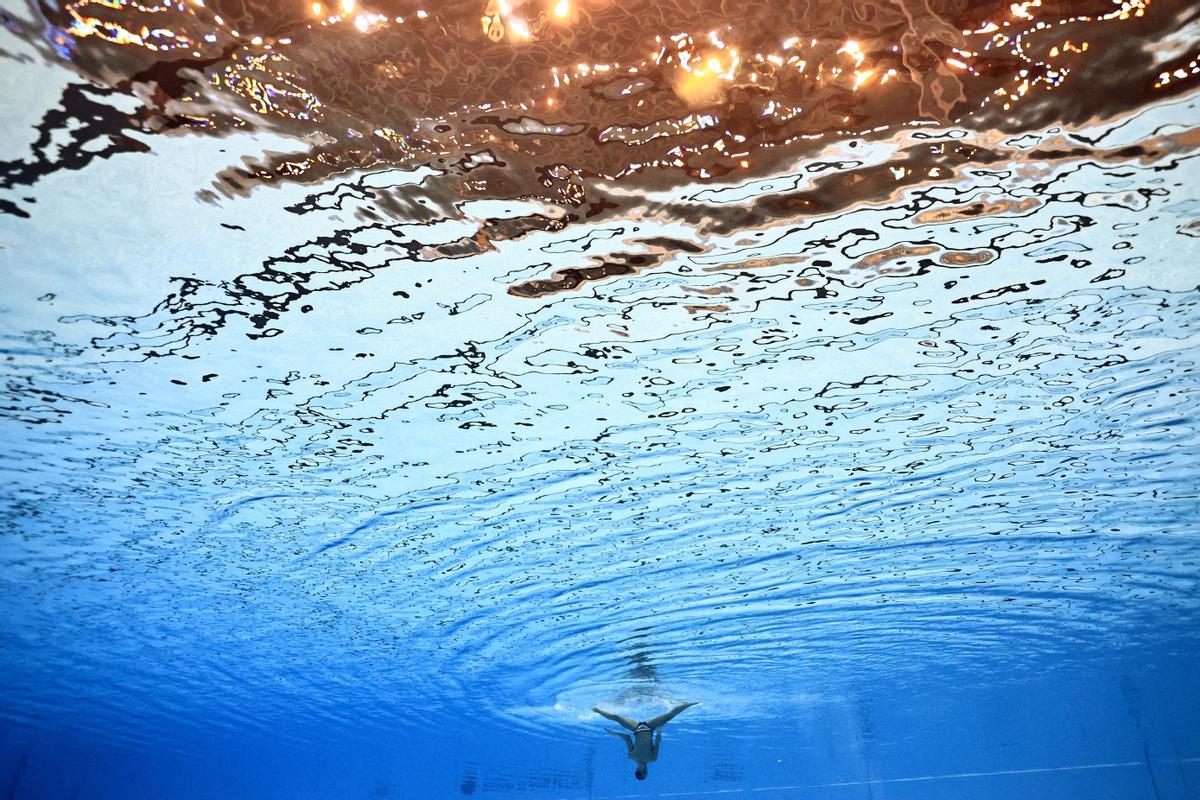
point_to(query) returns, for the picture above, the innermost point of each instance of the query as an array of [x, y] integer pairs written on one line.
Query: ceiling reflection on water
[[485, 361], [541, 100]]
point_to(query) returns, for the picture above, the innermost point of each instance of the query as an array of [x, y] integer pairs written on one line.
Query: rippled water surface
[[385, 385]]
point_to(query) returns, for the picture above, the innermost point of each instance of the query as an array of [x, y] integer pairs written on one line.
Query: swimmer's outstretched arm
[[657, 743], [628, 739], [663, 719], [624, 722]]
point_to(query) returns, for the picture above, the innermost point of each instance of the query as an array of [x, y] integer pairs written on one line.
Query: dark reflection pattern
[[529, 406], [565, 95]]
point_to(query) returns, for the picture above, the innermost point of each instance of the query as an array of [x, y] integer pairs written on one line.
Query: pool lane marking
[[915, 779]]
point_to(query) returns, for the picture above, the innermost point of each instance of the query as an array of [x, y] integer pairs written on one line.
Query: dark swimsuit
[[643, 726]]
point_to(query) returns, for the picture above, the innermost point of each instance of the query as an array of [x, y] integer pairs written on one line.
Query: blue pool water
[[371, 484]]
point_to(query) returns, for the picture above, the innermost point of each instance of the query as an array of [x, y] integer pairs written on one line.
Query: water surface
[[387, 385]]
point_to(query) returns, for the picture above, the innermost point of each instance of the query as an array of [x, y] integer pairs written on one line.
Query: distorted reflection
[[509, 99]]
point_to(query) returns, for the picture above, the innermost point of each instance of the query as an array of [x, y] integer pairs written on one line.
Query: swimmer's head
[[640, 772]]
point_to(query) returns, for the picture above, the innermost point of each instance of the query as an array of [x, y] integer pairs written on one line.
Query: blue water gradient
[[904, 529]]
